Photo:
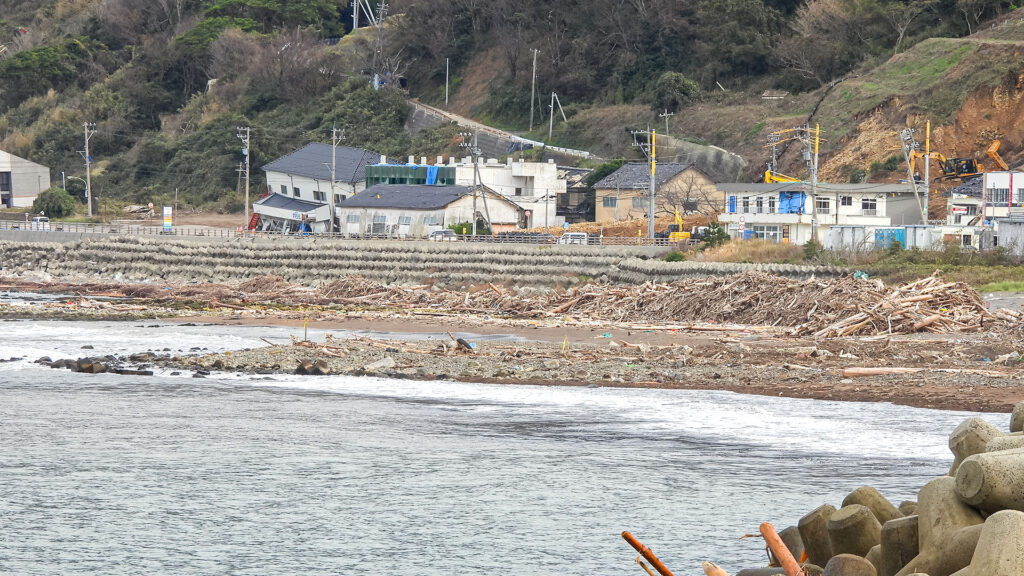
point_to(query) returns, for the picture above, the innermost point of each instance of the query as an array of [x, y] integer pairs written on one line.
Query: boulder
[[875, 556], [908, 508], [382, 364], [853, 530], [814, 534]]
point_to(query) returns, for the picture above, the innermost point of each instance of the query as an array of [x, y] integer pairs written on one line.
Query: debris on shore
[[822, 308]]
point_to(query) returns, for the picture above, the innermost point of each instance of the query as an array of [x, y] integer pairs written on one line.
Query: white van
[[573, 238], [40, 223]]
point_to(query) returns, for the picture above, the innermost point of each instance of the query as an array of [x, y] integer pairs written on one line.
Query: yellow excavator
[[959, 168], [774, 177], [675, 230]]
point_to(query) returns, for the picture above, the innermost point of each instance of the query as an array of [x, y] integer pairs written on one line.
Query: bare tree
[[688, 195], [902, 15]]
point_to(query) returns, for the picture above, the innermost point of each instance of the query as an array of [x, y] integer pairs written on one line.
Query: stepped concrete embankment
[[79, 257]]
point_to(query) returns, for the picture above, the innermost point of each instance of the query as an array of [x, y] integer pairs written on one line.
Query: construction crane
[[774, 177]]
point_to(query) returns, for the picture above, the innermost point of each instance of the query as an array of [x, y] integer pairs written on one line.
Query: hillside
[[167, 83]]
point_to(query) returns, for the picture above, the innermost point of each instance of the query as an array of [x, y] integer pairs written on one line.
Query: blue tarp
[[884, 237], [732, 204], [792, 202], [431, 175]]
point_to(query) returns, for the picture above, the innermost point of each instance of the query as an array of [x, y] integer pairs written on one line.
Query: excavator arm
[[993, 153], [774, 177]]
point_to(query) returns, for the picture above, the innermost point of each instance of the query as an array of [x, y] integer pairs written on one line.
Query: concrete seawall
[[98, 257]]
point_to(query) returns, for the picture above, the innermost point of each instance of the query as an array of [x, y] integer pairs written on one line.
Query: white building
[[786, 212], [21, 181], [534, 186], [288, 215], [999, 195], [419, 209], [306, 173]]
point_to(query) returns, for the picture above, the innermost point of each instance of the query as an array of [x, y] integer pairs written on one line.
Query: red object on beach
[[779, 549], [647, 554]]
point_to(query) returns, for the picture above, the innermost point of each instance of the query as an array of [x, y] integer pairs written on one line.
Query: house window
[[319, 196], [772, 233], [609, 202], [869, 207], [430, 220], [404, 220], [338, 198], [746, 204], [846, 200], [295, 192], [380, 219], [379, 225], [352, 219], [999, 196], [284, 189], [771, 205], [759, 204], [519, 191], [639, 202], [823, 206]]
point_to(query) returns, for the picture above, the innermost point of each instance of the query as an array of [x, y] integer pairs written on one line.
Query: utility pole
[[90, 129], [814, 185], [533, 86], [474, 152], [650, 150], [446, 69], [927, 161], [336, 137], [551, 118], [243, 135], [666, 115]]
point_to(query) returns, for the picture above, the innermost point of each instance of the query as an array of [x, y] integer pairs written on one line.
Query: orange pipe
[[778, 548], [647, 554]]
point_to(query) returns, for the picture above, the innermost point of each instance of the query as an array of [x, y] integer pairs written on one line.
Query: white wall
[[28, 179], [307, 186], [537, 182]]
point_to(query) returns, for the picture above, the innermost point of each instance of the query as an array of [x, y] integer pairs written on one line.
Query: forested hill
[[167, 82]]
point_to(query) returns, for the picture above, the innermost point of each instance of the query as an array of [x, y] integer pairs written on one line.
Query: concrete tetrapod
[[814, 534], [1007, 442], [1017, 418], [849, 565], [1000, 549], [899, 544], [875, 557], [791, 538], [854, 530], [955, 553], [941, 514], [908, 508], [992, 481], [970, 438], [873, 499]]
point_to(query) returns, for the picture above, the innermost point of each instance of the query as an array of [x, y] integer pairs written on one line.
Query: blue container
[[884, 237]]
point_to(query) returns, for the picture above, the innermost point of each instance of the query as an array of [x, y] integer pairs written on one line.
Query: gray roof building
[[288, 203], [409, 196], [314, 160], [635, 175]]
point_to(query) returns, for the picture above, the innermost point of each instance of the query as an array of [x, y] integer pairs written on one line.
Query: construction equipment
[[774, 177], [675, 230], [993, 153]]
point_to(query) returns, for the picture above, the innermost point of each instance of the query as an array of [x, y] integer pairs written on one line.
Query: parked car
[[443, 236], [40, 223], [573, 238]]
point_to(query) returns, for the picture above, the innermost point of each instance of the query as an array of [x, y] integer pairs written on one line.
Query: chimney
[[423, 159], [412, 159]]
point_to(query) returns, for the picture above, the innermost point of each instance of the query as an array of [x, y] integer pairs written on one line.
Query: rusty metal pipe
[[779, 549], [647, 554]]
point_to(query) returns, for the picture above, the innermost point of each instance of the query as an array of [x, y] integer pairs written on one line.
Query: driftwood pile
[[825, 308]]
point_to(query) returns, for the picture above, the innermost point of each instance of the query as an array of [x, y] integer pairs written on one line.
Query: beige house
[[21, 181], [623, 194]]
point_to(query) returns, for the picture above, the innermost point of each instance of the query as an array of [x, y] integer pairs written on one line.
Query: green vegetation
[[675, 256], [1005, 286], [54, 203]]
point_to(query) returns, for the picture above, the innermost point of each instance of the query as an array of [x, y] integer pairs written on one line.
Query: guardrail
[[201, 231]]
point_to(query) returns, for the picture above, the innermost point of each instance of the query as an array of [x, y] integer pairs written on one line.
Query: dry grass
[[753, 251]]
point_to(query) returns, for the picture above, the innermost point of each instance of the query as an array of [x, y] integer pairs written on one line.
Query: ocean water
[[107, 474]]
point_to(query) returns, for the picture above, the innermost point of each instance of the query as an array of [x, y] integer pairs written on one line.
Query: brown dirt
[[626, 228], [476, 80]]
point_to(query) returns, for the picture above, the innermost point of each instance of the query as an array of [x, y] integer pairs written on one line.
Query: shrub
[[812, 250], [54, 203], [716, 235], [675, 256], [673, 91]]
